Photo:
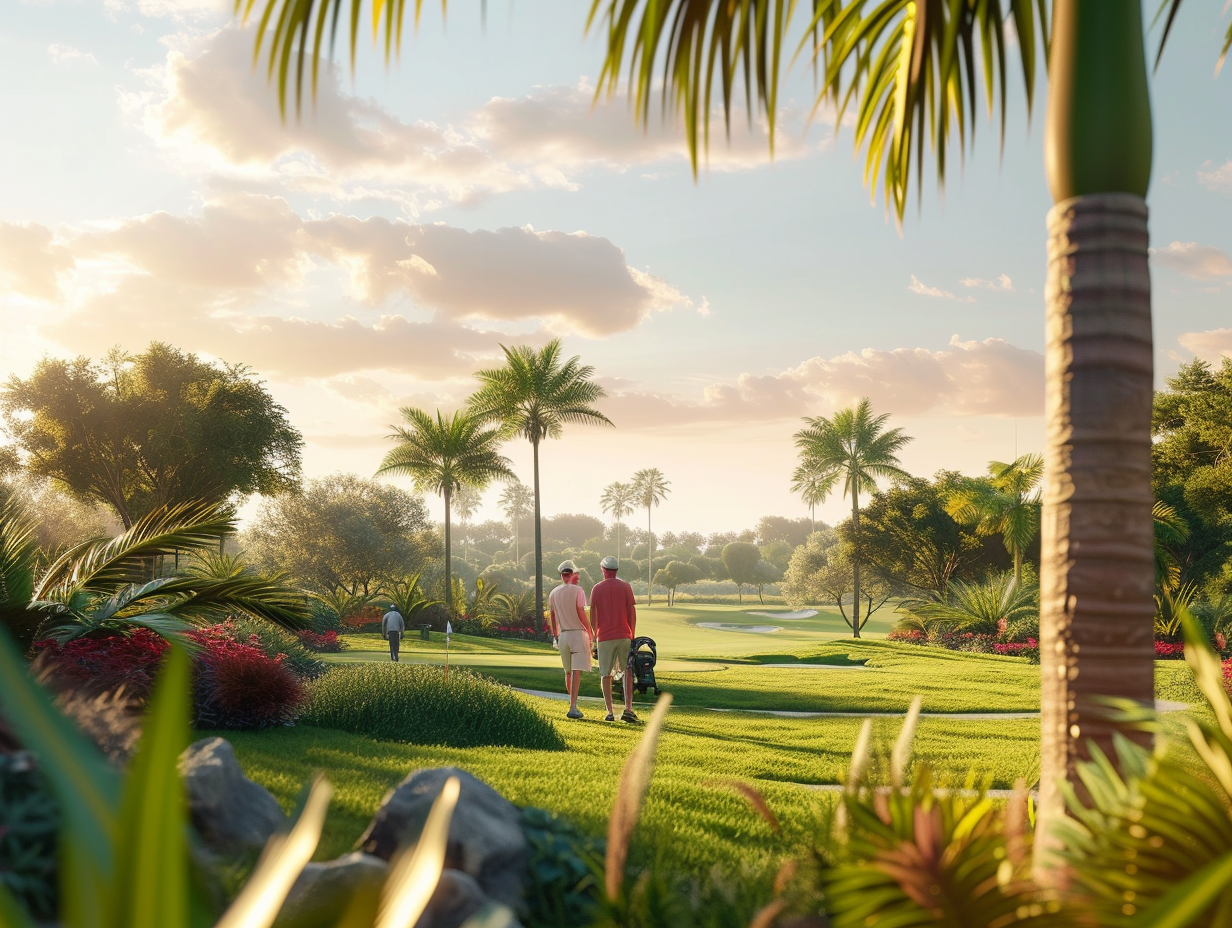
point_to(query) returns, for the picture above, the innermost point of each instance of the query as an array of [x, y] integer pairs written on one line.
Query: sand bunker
[[802, 614], [726, 627]]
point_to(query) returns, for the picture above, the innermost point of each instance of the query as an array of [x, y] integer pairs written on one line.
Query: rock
[[485, 834], [232, 814], [321, 892], [457, 897]]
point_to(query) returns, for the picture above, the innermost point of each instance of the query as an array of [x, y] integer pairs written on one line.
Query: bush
[[278, 643], [31, 821], [237, 685], [100, 664], [1028, 649], [327, 643], [1168, 650], [409, 703]]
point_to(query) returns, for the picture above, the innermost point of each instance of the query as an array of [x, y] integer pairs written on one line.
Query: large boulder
[[321, 892], [233, 815], [485, 834], [456, 898]]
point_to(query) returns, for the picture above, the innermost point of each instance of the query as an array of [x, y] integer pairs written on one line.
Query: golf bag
[[639, 671]]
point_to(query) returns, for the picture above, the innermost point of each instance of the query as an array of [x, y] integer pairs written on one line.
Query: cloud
[[213, 110], [249, 269], [1201, 262], [1214, 178], [923, 289], [967, 378], [1002, 282], [1209, 346], [168, 9], [67, 54], [31, 262]]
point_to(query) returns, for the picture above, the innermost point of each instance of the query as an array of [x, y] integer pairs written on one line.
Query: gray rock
[[485, 834], [232, 814], [457, 897], [322, 891]]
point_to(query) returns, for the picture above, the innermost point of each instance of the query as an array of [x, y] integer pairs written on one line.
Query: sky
[[375, 252]]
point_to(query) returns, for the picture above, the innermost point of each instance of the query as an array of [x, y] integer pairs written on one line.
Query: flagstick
[[448, 633]]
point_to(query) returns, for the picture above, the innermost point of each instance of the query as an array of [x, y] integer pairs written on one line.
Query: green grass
[[404, 702], [691, 811]]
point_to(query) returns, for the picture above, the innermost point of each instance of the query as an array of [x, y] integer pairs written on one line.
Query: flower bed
[[1169, 650], [328, 643]]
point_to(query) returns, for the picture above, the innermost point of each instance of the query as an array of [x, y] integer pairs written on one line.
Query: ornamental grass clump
[[416, 704]]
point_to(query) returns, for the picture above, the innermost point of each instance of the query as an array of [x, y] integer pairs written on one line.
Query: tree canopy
[[139, 432], [343, 533]]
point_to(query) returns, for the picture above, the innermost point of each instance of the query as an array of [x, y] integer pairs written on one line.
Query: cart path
[[1161, 705]]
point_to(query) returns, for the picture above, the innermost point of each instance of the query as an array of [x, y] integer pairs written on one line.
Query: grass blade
[[417, 872], [634, 781]]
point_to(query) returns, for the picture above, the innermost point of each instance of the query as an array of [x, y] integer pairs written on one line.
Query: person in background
[[571, 628], [613, 614], [392, 628]]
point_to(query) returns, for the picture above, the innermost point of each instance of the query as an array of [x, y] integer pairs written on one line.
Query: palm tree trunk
[[855, 563], [448, 565], [538, 544], [649, 557], [1097, 566]]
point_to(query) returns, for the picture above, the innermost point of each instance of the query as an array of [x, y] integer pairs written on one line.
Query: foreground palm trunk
[[1097, 567]]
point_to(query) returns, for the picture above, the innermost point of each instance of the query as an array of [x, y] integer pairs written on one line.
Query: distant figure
[[393, 627], [613, 613], [567, 609]]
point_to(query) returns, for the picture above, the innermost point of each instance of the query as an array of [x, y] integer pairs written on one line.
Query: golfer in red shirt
[[613, 616]]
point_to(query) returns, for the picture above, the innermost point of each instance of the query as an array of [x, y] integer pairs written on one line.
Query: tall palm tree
[[852, 448], [466, 503], [535, 395], [808, 484], [516, 501], [912, 68], [617, 501], [649, 488], [1006, 503], [442, 454]]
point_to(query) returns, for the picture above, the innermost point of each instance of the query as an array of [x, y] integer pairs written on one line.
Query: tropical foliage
[[1006, 503], [649, 488]]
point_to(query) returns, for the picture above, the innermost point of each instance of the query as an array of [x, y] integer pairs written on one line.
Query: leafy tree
[[139, 432], [792, 532], [820, 572], [342, 535], [442, 455], [60, 520], [676, 573], [711, 568], [517, 502], [716, 541], [617, 501], [535, 395], [740, 560], [1006, 503], [909, 538], [778, 553], [650, 488], [853, 449], [570, 530], [765, 573]]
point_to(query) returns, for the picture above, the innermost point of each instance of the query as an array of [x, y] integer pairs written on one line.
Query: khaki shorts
[[574, 649], [613, 655]]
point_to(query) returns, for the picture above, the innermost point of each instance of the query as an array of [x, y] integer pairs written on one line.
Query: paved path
[[1160, 706]]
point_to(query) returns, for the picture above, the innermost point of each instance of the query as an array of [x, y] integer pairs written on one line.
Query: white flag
[[448, 628]]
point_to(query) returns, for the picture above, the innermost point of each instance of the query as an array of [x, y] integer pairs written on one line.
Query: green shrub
[[273, 641], [412, 703], [29, 821]]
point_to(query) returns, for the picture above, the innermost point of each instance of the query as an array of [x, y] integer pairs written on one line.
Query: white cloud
[[168, 9], [67, 54], [1214, 178], [919, 287], [1210, 345], [1201, 262], [211, 109], [1002, 282], [967, 378], [31, 261]]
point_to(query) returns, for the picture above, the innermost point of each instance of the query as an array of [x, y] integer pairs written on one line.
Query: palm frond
[[1171, 8], [98, 566]]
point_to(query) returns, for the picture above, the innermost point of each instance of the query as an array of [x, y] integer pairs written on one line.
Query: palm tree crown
[[617, 501], [535, 395], [516, 501], [649, 488], [1007, 503], [853, 448], [441, 455]]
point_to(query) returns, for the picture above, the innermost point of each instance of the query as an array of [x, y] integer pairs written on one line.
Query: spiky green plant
[[980, 606], [408, 596]]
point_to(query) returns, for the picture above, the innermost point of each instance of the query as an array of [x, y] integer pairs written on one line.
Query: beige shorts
[[574, 647], [613, 655]]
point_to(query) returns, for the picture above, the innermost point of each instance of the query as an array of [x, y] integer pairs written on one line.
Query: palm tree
[[649, 488], [534, 395], [442, 455], [912, 70], [466, 503], [617, 501], [1007, 503], [516, 501], [852, 448], [808, 484]]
